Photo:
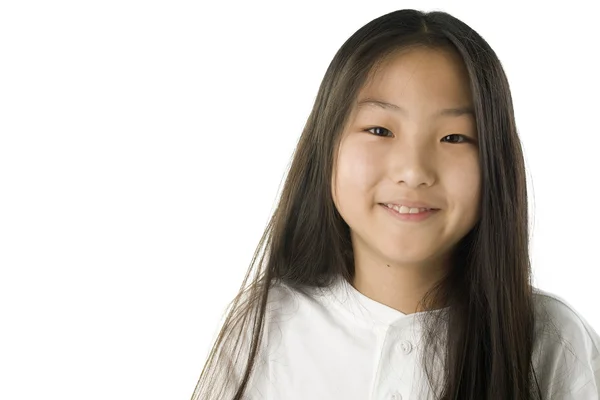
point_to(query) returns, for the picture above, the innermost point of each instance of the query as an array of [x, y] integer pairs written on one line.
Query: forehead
[[419, 78]]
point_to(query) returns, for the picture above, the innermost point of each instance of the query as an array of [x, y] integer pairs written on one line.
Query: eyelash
[[465, 138]]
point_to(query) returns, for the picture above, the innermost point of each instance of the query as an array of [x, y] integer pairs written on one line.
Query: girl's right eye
[[380, 128]]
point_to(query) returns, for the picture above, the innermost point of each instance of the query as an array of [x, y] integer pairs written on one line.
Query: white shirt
[[339, 344]]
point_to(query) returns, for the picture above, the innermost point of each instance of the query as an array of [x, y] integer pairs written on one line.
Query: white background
[[142, 149]]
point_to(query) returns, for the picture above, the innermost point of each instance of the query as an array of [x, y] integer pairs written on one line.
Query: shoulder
[[242, 334], [566, 349], [553, 309], [285, 302]]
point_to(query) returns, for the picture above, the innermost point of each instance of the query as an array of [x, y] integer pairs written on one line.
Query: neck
[[400, 287]]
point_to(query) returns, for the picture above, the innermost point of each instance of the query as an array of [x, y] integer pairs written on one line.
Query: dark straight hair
[[488, 333]]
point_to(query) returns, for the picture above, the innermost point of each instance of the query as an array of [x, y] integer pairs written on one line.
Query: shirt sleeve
[[567, 353]]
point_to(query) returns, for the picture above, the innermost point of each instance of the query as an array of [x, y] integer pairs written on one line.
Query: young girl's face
[[412, 153]]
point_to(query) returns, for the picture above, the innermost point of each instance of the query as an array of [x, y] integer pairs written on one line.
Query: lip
[[410, 217], [410, 204]]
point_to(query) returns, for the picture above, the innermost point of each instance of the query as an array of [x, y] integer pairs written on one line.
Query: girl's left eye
[[463, 137]]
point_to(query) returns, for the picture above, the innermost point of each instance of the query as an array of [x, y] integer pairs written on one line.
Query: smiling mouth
[[414, 217], [408, 210]]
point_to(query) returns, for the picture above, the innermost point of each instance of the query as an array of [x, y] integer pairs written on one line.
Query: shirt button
[[396, 396], [405, 346]]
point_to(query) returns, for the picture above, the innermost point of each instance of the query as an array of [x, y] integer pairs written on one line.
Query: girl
[[396, 264]]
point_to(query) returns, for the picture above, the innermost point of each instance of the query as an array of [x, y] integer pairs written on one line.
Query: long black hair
[[488, 333]]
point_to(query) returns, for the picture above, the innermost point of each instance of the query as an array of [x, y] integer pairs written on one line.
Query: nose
[[412, 164]]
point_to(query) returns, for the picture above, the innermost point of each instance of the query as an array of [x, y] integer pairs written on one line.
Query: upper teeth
[[406, 210]]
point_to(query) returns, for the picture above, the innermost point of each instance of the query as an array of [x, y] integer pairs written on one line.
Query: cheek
[[464, 184], [358, 168]]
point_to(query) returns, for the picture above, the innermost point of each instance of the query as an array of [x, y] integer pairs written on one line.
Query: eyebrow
[[446, 112]]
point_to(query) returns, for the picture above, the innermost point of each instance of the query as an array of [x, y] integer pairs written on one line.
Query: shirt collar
[[369, 311]]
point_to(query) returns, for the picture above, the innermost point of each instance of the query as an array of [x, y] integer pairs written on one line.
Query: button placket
[[405, 347]]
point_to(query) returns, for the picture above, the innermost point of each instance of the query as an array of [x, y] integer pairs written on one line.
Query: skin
[[415, 155]]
